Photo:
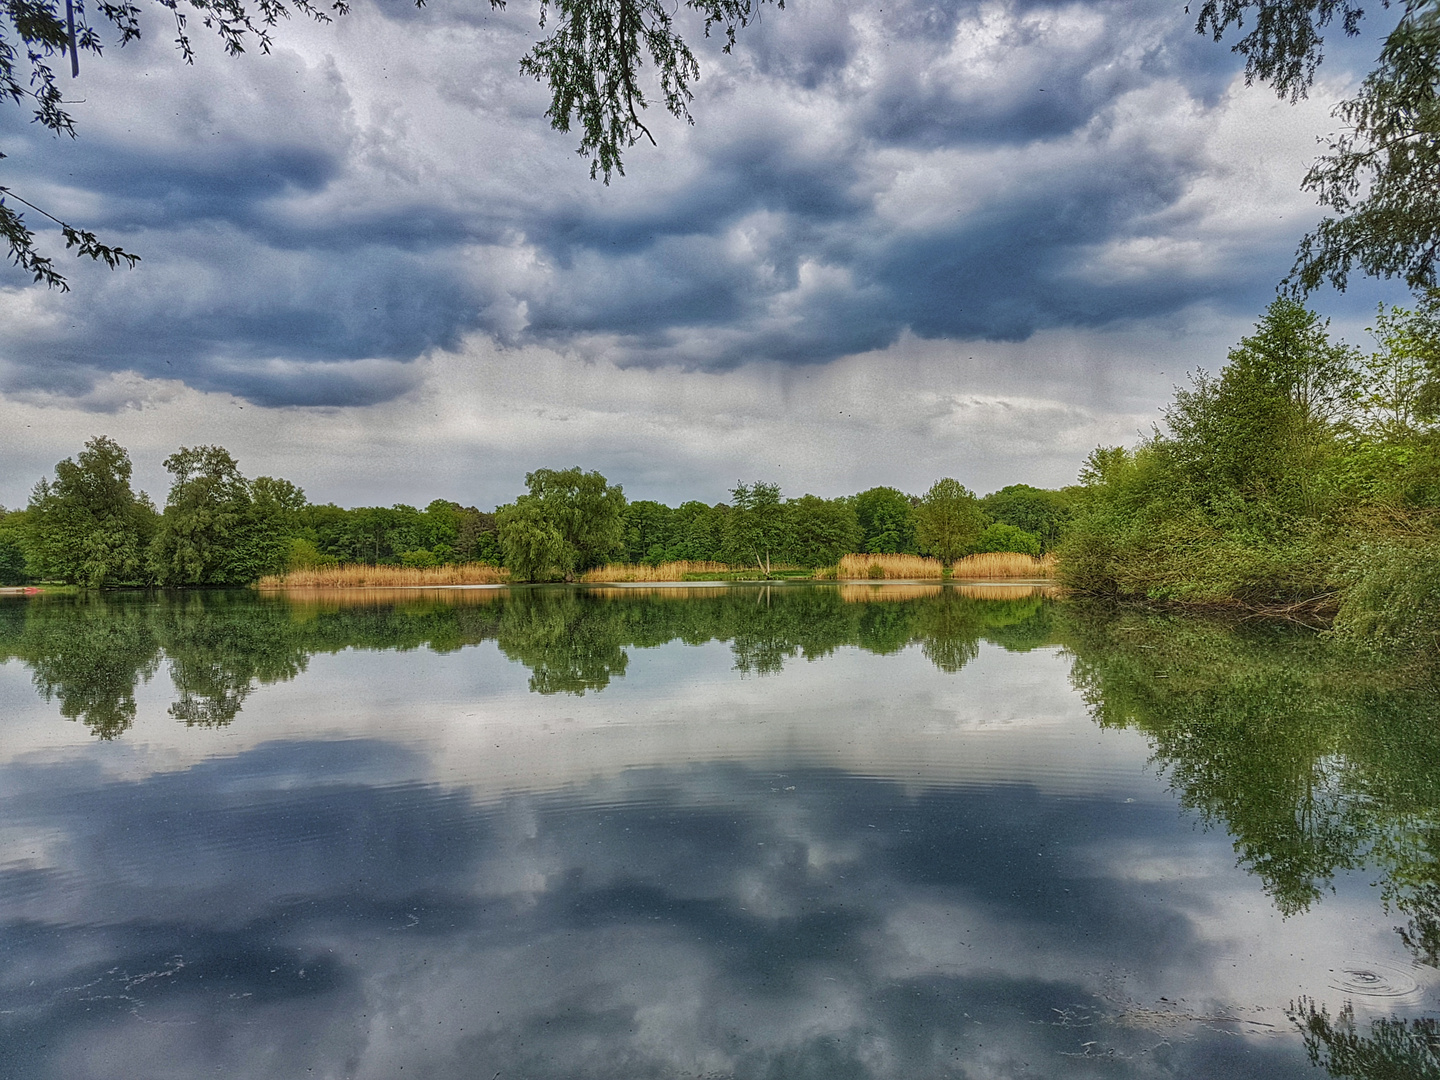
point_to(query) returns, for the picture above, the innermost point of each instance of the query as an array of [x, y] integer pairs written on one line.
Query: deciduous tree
[[821, 530], [532, 546], [948, 520], [887, 521], [568, 522], [88, 527], [1261, 429], [1394, 396], [999, 536], [1038, 511], [755, 530], [218, 528]]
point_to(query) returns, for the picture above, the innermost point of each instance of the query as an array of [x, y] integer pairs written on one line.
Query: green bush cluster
[[1304, 473]]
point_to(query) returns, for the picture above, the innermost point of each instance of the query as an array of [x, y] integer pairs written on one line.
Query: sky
[[898, 243]]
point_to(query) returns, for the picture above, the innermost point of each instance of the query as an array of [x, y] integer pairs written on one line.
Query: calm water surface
[[804, 831]]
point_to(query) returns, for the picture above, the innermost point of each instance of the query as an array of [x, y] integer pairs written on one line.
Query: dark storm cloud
[[269, 906], [287, 267]]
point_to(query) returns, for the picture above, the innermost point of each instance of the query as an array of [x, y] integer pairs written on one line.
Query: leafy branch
[[1380, 174], [21, 241], [592, 59]]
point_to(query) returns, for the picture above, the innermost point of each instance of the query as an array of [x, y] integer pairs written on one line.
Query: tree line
[[90, 651], [87, 526], [570, 521]]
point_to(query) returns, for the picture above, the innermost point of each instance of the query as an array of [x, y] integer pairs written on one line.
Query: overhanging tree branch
[[1381, 175]]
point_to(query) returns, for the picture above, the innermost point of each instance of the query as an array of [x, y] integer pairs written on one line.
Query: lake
[[740, 831]]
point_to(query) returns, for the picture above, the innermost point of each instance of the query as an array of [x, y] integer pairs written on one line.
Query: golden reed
[[998, 564], [1003, 564], [386, 577], [907, 567], [670, 571]]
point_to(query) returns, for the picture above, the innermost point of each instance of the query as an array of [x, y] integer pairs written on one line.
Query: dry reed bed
[[999, 564], [893, 566], [386, 577], [852, 567], [670, 571], [1003, 564]]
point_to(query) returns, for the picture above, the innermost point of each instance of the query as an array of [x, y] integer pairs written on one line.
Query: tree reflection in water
[[91, 652], [1314, 760], [1394, 1049]]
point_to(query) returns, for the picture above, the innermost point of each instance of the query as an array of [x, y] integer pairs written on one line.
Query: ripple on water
[[1376, 982]]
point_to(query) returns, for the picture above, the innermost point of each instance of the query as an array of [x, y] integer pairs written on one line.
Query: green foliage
[[656, 533], [649, 531], [948, 520], [591, 61], [14, 569], [1382, 169], [87, 527], [1036, 510], [586, 513], [1269, 476], [304, 555], [820, 530], [1396, 395], [533, 547], [887, 522], [379, 535], [1264, 428], [219, 528], [756, 529], [1141, 533], [808, 531], [1391, 596], [1001, 537]]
